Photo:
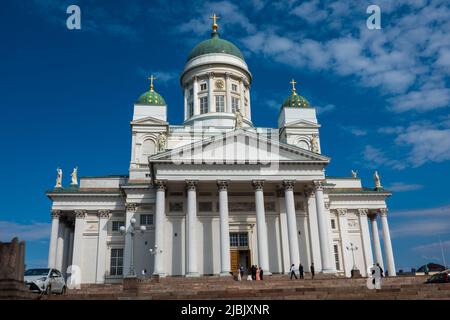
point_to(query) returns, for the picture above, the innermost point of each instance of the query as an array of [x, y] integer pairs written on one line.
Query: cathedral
[[217, 192]]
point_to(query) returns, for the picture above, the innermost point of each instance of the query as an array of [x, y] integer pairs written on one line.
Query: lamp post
[[355, 272], [132, 231]]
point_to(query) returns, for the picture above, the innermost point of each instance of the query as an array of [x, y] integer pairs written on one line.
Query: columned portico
[[225, 266], [325, 241], [56, 215], [159, 232], [376, 240], [291, 222], [261, 228], [387, 244], [191, 224]]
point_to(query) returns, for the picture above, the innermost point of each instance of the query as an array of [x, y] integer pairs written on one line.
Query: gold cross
[[151, 78], [214, 17], [293, 86]]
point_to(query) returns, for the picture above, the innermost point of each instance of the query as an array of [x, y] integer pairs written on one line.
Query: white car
[[45, 280]]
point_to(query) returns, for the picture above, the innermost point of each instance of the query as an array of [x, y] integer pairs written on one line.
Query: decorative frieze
[[353, 223], [342, 212]]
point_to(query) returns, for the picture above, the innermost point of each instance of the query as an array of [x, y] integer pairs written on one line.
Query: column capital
[[363, 212], [132, 207], [160, 185], [342, 212], [210, 75], [227, 75], [318, 185], [80, 214], [191, 185], [288, 185], [383, 212], [258, 184], [222, 185], [104, 213], [56, 214]]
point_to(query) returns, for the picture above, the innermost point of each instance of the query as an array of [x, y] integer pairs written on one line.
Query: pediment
[[241, 146], [302, 124], [149, 121]]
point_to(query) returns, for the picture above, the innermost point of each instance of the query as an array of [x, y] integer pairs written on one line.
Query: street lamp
[[132, 230], [155, 250], [355, 272]]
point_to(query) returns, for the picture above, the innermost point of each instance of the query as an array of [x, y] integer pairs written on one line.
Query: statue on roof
[[58, 178], [239, 119], [377, 180], [74, 177], [162, 139], [354, 173], [314, 143]]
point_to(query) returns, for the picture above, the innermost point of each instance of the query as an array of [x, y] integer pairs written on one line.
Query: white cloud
[[375, 158], [421, 100], [403, 187], [28, 232], [310, 12], [442, 211], [434, 246], [162, 77], [325, 109], [421, 228]]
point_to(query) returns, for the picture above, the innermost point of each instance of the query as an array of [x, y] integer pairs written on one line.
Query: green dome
[[215, 45], [151, 98], [295, 101]]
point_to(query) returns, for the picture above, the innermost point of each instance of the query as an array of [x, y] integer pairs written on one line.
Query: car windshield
[[37, 272]]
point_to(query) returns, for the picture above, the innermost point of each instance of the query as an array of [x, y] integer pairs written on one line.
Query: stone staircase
[[275, 287]]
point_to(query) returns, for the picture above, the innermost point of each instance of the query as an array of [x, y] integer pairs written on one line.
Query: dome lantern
[[151, 97], [295, 100]]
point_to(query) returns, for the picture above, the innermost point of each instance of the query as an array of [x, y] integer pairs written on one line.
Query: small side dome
[[151, 97], [295, 100]]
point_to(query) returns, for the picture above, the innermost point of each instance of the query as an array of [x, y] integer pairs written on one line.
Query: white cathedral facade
[[217, 192]]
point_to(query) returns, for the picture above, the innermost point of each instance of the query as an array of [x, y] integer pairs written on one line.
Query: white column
[[327, 264], [186, 107], [195, 96], [60, 246], [131, 209], [291, 222], [228, 93], [313, 229], [192, 270], [387, 244], [249, 110], [284, 231], [211, 102], [365, 237], [376, 241], [343, 230], [66, 252], [77, 257], [103, 217], [241, 94], [70, 256], [160, 213], [56, 214], [261, 227], [225, 264]]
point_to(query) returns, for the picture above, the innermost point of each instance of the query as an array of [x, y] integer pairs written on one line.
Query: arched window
[[303, 143], [148, 148]]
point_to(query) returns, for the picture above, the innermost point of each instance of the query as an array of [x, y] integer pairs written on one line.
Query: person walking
[[257, 274], [253, 271], [261, 274], [241, 270], [300, 271], [239, 277], [312, 270], [292, 272]]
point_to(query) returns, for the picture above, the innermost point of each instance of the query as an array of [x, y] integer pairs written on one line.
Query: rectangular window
[[117, 224], [203, 105], [336, 256], [234, 87], [116, 264], [234, 104], [146, 219], [333, 224], [203, 87], [238, 239], [191, 108], [220, 103]]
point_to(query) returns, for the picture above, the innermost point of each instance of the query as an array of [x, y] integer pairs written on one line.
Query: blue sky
[[383, 96]]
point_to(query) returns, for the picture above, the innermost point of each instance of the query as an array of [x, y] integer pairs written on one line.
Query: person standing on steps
[[300, 271], [257, 274], [312, 270], [292, 272], [261, 274]]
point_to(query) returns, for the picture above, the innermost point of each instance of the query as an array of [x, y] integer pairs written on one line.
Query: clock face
[[219, 84]]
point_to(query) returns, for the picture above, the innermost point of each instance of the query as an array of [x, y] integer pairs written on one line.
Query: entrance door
[[239, 251]]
